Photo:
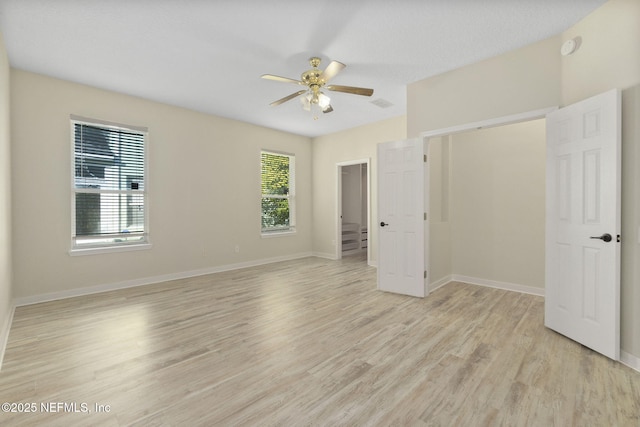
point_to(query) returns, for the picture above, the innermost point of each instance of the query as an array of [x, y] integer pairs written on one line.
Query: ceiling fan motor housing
[[312, 77]]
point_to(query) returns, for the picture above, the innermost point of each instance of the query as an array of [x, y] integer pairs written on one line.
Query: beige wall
[[630, 278], [204, 188], [327, 151], [497, 204], [535, 77], [609, 57], [5, 199], [438, 233], [522, 80], [487, 205], [352, 187]]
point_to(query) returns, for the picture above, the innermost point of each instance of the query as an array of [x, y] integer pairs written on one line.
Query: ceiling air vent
[[382, 103]]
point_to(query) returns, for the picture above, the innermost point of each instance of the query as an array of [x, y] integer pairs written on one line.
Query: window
[[278, 192], [109, 185]]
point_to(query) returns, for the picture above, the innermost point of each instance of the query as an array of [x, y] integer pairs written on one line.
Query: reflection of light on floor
[[126, 324], [123, 333], [275, 315], [275, 319], [103, 349]]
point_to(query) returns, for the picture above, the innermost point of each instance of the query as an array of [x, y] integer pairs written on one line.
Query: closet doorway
[[353, 209]]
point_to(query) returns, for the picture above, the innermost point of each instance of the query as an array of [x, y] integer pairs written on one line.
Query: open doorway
[[479, 222], [353, 209]]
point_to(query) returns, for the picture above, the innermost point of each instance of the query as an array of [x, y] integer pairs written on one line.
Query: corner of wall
[[6, 278], [607, 41], [5, 328]]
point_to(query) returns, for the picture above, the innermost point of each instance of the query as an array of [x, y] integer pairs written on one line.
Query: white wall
[[5, 202], [327, 151], [204, 188]]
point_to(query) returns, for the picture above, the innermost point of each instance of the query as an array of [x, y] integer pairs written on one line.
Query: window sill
[[269, 234], [109, 249]]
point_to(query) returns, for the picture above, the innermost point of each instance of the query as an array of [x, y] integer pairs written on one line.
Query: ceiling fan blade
[[332, 69], [282, 79], [287, 98], [351, 89]]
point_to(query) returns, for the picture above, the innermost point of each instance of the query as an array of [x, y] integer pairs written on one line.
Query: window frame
[[291, 196], [114, 246]]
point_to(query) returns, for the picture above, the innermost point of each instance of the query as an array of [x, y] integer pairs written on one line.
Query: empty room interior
[[187, 239]]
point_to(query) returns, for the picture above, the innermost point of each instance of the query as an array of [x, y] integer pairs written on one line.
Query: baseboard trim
[[630, 360], [324, 255], [486, 283], [440, 283], [53, 296], [498, 285], [4, 332], [334, 257]]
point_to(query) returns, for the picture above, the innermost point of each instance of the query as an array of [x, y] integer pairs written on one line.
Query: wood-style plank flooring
[[301, 343]]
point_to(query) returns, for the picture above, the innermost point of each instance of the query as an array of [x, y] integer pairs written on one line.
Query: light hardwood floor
[[307, 342]]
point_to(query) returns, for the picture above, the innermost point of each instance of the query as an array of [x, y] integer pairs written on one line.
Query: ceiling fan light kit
[[315, 80]]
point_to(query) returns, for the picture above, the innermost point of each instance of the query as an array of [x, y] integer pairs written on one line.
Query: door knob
[[382, 224], [605, 237]]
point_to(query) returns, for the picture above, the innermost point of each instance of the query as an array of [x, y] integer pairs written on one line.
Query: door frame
[[338, 219], [489, 123]]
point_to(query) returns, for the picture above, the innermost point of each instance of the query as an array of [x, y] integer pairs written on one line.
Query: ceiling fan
[[315, 80]]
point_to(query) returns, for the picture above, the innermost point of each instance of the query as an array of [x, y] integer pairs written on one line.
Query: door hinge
[[425, 216], [425, 274], [425, 158]]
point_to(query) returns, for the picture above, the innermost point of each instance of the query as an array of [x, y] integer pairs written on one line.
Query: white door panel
[[583, 204], [400, 217]]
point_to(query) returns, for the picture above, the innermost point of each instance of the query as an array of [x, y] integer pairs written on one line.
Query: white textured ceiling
[[209, 55]]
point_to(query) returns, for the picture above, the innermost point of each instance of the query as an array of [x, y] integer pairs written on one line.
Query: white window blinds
[[109, 207]]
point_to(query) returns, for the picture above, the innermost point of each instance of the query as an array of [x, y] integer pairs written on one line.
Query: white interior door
[[401, 173], [582, 289]]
